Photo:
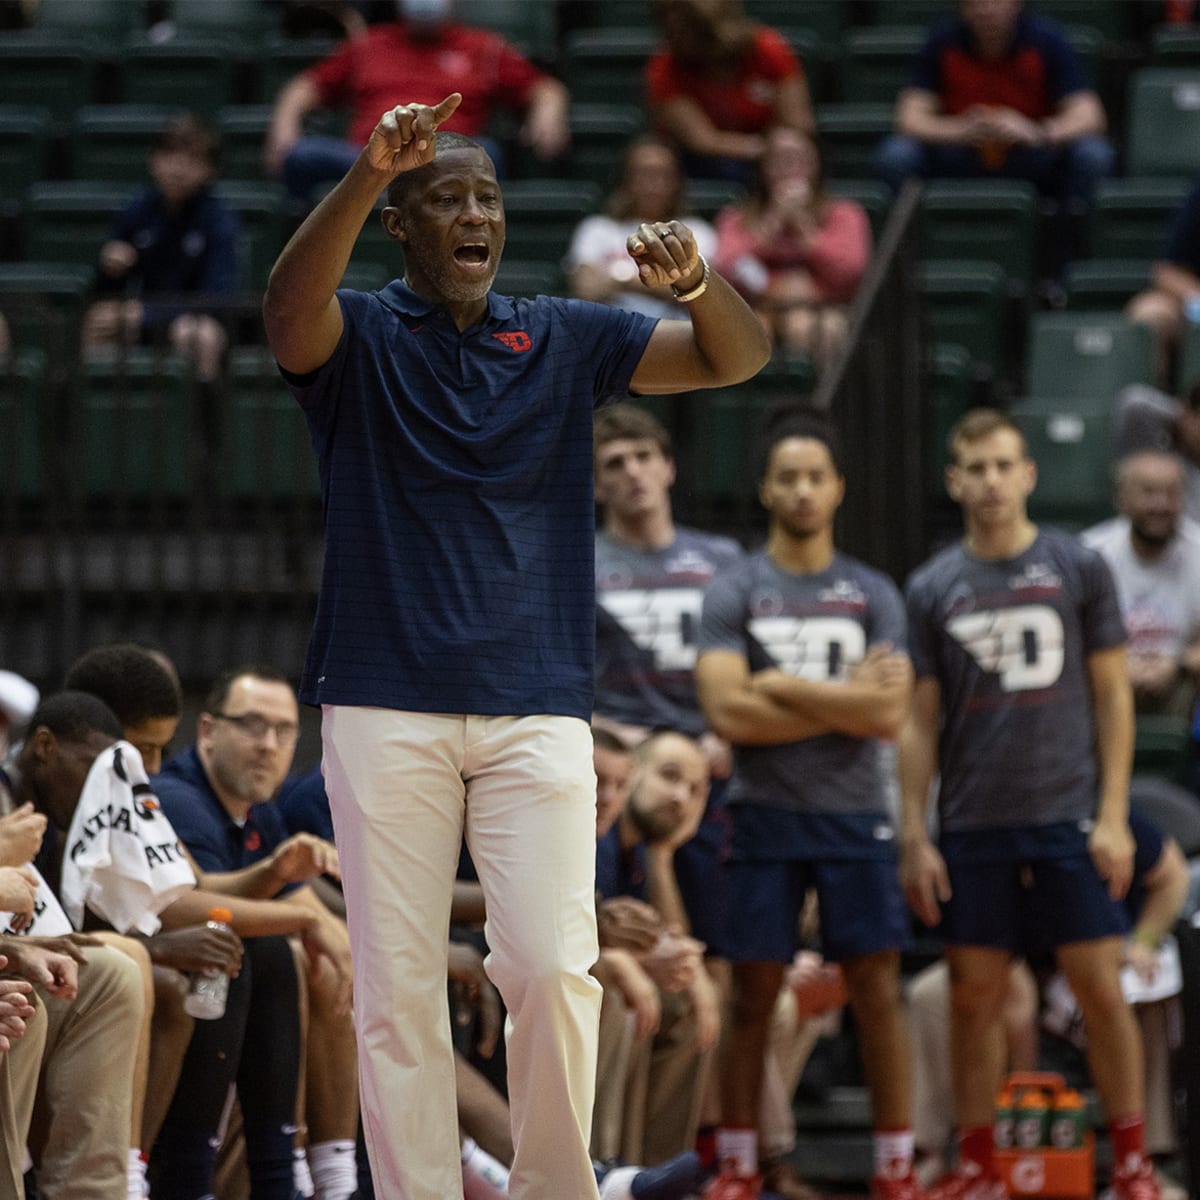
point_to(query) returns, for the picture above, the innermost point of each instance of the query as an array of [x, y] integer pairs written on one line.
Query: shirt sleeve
[[920, 631], [662, 79], [926, 72], [1103, 625], [839, 253], [612, 338], [1063, 66], [220, 270], [723, 615], [774, 56], [888, 621], [333, 76], [186, 812]]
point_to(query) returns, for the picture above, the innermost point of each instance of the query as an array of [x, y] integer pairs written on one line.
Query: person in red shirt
[[720, 83], [426, 54]]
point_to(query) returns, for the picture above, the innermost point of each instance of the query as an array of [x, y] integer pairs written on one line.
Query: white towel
[[122, 859], [49, 920]]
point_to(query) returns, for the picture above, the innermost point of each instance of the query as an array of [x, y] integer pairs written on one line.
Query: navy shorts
[[861, 908], [1029, 907], [702, 873]]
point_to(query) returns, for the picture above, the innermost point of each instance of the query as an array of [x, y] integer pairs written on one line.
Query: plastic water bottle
[[206, 995]]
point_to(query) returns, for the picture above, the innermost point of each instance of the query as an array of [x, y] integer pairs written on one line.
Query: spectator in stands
[[668, 1072], [614, 763], [1172, 300], [93, 994], [423, 55], [793, 251], [216, 796], [18, 699], [138, 688], [652, 188], [1149, 419], [175, 244], [720, 83], [1022, 705], [1154, 555], [1000, 93], [801, 666]]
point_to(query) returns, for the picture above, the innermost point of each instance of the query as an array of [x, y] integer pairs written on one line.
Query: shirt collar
[[399, 297]]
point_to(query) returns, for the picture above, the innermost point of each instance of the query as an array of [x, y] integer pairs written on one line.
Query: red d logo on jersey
[[517, 342]]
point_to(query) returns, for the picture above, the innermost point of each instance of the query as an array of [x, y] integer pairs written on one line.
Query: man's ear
[[42, 743], [392, 220]]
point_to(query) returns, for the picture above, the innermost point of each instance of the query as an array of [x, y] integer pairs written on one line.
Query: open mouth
[[472, 254]]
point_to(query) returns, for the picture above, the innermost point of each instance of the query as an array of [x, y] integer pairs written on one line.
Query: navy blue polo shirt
[[216, 841], [304, 805], [1039, 70], [456, 474]]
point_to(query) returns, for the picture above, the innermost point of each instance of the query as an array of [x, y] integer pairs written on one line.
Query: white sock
[[301, 1177], [334, 1169], [737, 1151], [484, 1178], [615, 1185], [893, 1153], [136, 1188]]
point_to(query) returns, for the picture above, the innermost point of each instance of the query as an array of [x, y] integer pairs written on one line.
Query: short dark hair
[[404, 184], [75, 716], [978, 423], [617, 422], [219, 692], [191, 135], [806, 424], [129, 679]]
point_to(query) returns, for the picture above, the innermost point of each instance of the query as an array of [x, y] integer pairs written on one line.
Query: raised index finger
[[446, 107]]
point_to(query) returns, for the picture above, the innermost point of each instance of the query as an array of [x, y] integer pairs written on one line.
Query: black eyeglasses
[[256, 727]]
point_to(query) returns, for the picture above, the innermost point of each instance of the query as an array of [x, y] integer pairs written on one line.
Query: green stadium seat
[[1161, 745], [605, 63], [1111, 18], [261, 208], [911, 12], [114, 141], [706, 197], [134, 425], [1164, 122], [265, 450], [283, 58], [191, 72], [1104, 284], [248, 21], [542, 214], [965, 305], [1131, 217], [993, 220], [23, 414], [870, 193], [243, 129], [850, 134], [877, 63], [1175, 46], [626, 14], [68, 222], [1074, 454], [1189, 359], [600, 134], [111, 20], [951, 378], [55, 73], [43, 304], [367, 276], [528, 24], [24, 135], [826, 18], [1085, 359], [529, 277]]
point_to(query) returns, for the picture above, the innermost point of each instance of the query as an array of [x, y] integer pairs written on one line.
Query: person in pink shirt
[[794, 252], [720, 83], [425, 54]]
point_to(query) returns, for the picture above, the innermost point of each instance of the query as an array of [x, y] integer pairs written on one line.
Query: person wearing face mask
[[425, 54]]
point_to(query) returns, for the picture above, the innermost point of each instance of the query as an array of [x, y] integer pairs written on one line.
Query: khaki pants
[[19, 1069], [401, 785], [81, 1125]]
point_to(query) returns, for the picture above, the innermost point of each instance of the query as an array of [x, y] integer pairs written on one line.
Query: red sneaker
[[903, 1187], [726, 1186], [1135, 1182], [967, 1183]]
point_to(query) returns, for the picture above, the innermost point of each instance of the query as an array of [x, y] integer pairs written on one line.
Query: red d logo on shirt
[[252, 840], [517, 342]]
